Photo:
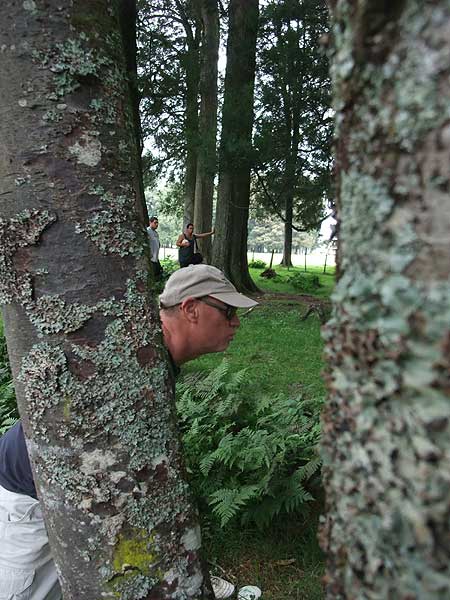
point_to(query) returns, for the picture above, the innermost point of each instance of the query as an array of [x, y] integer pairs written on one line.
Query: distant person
[[153, 238], [188, 253]]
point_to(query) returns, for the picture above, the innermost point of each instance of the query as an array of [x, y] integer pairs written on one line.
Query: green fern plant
[[8, 406], [249, 458]]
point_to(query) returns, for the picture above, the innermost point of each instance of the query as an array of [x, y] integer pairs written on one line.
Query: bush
[[257, 264], [269, 274], [169, 266], [305, 282], [248, 458], [8, 406]]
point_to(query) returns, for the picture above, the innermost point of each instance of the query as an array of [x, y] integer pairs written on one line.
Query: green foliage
[[305, 282], [293, 131], [249, 458], [170, 266], [282, 284], [257, 264], [8, 406]]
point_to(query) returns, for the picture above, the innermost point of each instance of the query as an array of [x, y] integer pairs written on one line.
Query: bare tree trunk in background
[[85, 346], [386, 444], [230, 243], [127, 20], [286, 261], [192, 67], [206, 162]]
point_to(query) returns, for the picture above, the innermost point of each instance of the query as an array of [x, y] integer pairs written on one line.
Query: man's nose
[[235, 321]]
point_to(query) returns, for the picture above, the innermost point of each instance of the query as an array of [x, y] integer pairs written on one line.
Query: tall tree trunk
[[89, 367], [206, 161], [127, 20], [386, 440], [191, 125], [287, 245], [230, 244]]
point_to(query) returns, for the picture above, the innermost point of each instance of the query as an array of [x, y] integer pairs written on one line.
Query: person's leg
[[27, 570]]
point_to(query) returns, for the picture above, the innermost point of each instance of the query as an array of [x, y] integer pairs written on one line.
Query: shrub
[[248, 458], [305, 282], [269, 274], [8, 406], [257, 264], [169, 266]]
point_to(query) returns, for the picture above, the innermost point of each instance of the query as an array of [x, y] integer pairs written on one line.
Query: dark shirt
[[186, 253], [15, 469]]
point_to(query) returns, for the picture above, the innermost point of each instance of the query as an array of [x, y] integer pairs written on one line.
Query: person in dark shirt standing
[[188, 253], [198, 310]]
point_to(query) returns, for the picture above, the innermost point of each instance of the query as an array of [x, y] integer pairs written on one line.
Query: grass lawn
[[284, 561], [281, 282]]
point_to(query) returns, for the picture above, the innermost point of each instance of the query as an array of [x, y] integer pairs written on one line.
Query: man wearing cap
[[198, 310]]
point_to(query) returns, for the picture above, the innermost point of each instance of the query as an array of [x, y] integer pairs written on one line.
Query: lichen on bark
[[385, 447]]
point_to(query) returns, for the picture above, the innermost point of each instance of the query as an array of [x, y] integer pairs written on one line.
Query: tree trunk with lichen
[[386, 426], [206, 160], [235, 154], [90, 370]]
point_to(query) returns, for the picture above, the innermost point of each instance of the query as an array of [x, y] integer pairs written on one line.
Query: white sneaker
[[249, 592], [221, 588]]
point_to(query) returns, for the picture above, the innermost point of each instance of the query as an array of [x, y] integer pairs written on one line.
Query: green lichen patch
[[70, 61], [132, 586], [134, 551], [50, 314], [108, 228], [23, 230]]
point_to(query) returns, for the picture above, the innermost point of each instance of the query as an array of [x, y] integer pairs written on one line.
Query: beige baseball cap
[[196, 281]]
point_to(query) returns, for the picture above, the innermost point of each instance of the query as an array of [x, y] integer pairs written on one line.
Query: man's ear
[[189, 309]]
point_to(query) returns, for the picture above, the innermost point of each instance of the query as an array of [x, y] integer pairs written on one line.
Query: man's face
[[190, 229], [213, 331], [154, 224]]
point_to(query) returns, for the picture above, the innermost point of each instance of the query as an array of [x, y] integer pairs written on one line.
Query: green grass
[[281, 284], [281, 352], [285, 561]]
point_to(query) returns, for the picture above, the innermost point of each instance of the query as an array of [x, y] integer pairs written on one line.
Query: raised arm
[[203, 235]]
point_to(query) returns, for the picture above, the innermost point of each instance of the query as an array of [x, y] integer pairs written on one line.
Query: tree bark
[[230, 244], [386, 446], [206, 161], [90, 371], [286, 261], [127, 20], [192, 67]]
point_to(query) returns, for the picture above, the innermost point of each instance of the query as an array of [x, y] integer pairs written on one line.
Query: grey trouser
[[27, 570]]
